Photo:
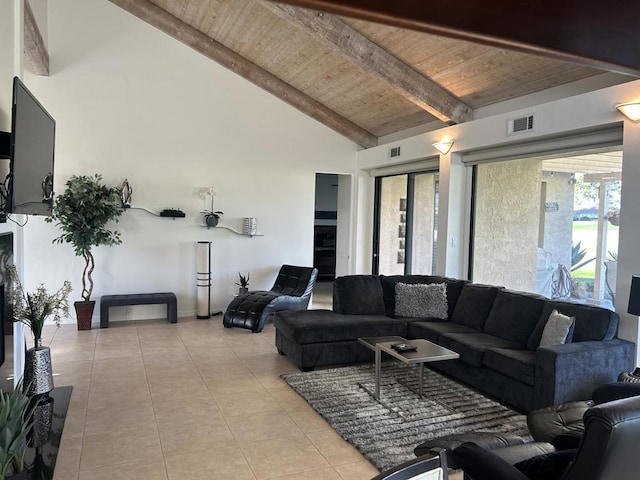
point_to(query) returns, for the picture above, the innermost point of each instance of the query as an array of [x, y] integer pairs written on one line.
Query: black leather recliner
[[291, 291], [557, 426], [607, 450]]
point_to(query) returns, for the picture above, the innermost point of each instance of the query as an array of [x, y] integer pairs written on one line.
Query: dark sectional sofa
[[496, 331]]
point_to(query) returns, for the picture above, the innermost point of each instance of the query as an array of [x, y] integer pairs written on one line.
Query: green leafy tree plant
[[83, 213]]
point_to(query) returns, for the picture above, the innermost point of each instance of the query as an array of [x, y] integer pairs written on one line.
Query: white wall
[[11, 33], [344, 230], [131, 102], [629, 233], [7, 50]]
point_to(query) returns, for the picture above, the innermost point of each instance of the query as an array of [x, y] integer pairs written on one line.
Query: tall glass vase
[[38, 374]]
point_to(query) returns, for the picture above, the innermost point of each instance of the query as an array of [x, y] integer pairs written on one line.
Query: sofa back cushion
[[454, 287], [514, 316], [592, 322], [474, 305], [421, 300], [358, 295]]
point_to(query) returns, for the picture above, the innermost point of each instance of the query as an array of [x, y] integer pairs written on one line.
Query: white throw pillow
[[558, 330], [421, 300]]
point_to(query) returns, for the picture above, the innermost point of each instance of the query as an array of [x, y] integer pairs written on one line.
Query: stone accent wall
[[423, 222], [393, 232], [558, 226], [507, 221], [391, 237]]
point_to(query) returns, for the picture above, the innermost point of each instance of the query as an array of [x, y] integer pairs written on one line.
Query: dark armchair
[[607, 450], [291, 291]]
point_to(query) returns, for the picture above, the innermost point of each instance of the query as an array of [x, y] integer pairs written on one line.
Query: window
[[406, 222], [549, 225]]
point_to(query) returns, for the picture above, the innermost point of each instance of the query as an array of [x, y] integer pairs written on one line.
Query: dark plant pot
[[84, 312], [242, 290], [211, 220]]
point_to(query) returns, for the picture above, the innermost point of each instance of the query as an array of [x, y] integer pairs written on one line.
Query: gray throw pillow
[[421, 300], [558, 330]]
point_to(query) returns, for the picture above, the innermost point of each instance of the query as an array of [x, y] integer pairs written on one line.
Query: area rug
[[387, 431]]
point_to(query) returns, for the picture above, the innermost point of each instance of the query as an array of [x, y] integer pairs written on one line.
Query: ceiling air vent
[[520, 125], [394, 152]]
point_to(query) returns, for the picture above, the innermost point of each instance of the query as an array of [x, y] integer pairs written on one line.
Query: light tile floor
[[189, 401]]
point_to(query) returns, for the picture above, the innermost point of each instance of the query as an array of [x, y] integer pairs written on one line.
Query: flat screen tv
[[33, 132]]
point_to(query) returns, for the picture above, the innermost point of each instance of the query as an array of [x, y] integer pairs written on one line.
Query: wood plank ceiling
[[363, 79]]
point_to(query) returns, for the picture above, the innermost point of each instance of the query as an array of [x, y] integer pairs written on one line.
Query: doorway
[[332, 226], [406, 224]]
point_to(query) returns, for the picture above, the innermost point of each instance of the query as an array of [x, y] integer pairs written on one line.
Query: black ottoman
[[548, 423]]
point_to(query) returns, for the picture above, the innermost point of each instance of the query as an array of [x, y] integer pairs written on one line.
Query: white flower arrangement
[[33, 308], [211, 217], [204, 192]]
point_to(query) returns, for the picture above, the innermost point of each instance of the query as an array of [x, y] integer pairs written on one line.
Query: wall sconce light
[[444, 146], [125, 194], [631, 110]]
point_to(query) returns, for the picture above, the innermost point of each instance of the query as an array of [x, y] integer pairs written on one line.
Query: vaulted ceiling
[[362, 79]]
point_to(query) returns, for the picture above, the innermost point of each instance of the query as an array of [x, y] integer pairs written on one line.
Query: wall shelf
[[234, 231], [161, 214]]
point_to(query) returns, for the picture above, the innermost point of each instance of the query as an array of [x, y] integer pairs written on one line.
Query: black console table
[[41, 460]]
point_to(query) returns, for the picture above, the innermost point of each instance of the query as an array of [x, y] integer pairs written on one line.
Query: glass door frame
[[377, 199]]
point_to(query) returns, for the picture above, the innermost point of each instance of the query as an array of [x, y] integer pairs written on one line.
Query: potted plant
[[243, 283], [210, 217], [83, 212], [32, 309], [15, 424]]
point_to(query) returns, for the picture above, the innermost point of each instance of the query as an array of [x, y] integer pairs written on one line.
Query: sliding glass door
[[550, 225], [406, 219]]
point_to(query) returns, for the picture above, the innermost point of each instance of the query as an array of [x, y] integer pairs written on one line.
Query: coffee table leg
[[421, 380], [378, 358]]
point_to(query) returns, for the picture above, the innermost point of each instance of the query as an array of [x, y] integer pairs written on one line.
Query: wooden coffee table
[[425, 352]]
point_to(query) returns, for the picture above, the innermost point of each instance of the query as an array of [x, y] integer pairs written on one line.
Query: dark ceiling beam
[[404, 79], [599, 34], [179, 30], [35, 51]]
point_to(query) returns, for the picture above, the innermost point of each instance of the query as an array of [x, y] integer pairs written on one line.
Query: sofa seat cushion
[[321, 326], [472, 346], [432, 331], [517, 364], [514, 316], [474, 304], [454, 287]]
